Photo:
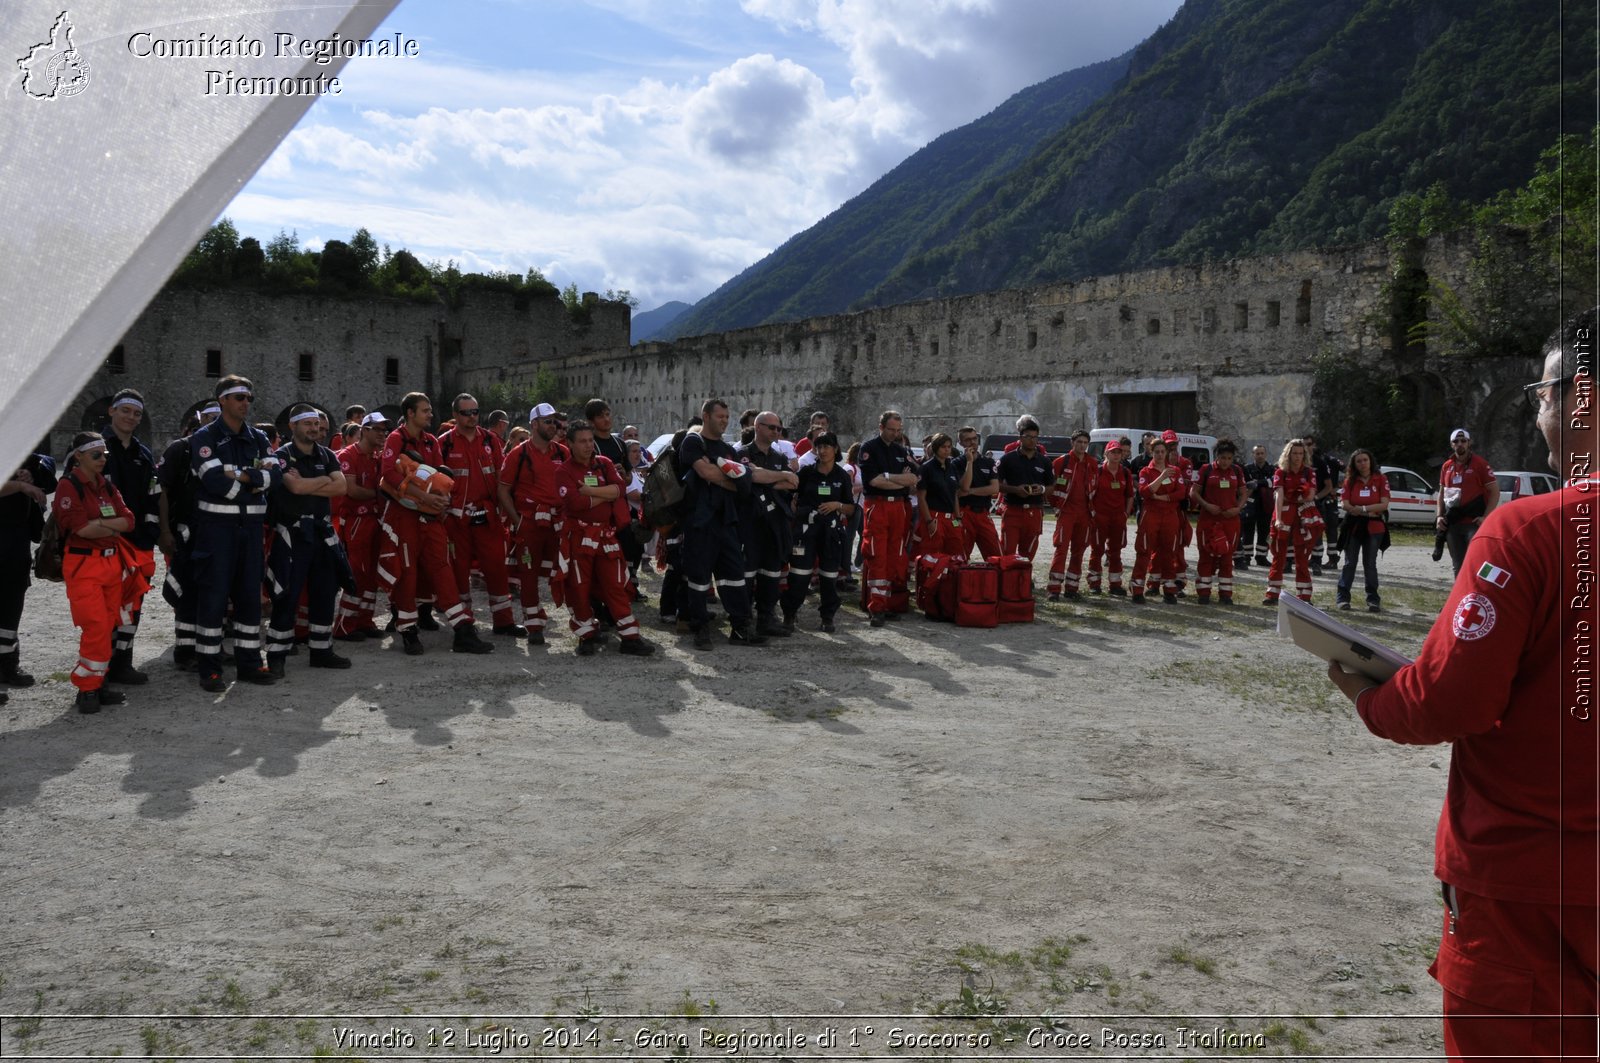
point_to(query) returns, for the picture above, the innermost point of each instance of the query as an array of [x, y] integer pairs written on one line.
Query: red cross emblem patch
[[1473, 619]]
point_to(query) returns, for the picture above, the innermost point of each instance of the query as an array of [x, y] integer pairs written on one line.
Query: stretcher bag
[[977, 596], [1016, 588], [936, 585]]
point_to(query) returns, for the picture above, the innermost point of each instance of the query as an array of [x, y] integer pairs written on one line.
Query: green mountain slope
[[1248, 126], [826, 268]]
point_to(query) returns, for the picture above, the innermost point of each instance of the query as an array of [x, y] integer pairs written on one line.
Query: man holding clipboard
[[1506, 676]]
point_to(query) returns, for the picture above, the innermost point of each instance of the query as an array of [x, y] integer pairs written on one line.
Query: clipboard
[[1318, 633]]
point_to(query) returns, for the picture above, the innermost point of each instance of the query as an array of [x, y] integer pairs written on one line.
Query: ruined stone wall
[[1235, 339], [370, 352], [1239, 335]]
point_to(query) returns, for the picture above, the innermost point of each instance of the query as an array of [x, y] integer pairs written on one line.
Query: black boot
[[11, 674], [768, 627], [326, 658], [467, 640], [425, 618], [183, 658], [123, 672], [744, 633], [412, 642], [88, 702]]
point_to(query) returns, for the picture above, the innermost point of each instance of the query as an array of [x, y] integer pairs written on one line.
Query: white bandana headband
[[238, 390], [93, 444], [308, 415], [126, 401]]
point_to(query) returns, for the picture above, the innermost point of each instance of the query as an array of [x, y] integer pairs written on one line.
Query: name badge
[[591, 480], [824, 489], [1061, 480], [107, 509], [1224, 483]]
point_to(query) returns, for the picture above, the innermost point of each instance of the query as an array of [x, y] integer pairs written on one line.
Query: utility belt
[[537, 511], [100, 551], [231, 509], [937, 517], [475, 515]]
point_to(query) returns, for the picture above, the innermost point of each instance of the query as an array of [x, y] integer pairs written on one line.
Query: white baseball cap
[[1461, 433], [544, 409]]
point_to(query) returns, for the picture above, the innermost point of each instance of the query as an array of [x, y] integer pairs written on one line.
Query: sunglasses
[[467, 413], [96, 455]]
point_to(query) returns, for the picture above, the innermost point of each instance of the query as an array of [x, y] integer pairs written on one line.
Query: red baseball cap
[[1169, 436]]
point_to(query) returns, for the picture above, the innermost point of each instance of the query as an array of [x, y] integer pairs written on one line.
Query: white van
[[1197, 448]]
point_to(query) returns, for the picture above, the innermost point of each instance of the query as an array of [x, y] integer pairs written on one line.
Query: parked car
[[1514, 485], [1410, 497]]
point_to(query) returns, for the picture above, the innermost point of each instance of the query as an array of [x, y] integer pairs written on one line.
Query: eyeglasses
[[96, 455], [467, 413], [772, 427], [1535, 392]]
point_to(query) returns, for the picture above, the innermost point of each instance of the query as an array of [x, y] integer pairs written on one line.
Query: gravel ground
[[1111, 825]]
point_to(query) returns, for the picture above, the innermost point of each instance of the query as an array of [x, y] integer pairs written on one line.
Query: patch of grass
[[691, 1008], [431, 975], [448, 952], [25, 1028], [387, 921], [305, 1031], [232, 999], [1251, 684], [160, 1044], [1185, 958]]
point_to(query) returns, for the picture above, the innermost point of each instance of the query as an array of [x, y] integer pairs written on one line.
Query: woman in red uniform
[[1155, 546], [1111, 507], [91, 516], [1295, 521], [1364, 499]]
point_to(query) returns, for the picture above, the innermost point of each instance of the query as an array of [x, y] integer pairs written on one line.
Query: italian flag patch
[[1494, 574]]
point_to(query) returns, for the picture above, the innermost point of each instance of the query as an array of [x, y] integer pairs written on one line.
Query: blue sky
[[659, 147]]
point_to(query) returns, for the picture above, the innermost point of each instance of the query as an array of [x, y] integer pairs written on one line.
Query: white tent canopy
[[115, 164]]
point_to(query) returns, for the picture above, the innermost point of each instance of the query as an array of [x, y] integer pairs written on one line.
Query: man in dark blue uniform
[[888, 476], [24, 499], [711, 545], [767, 521], [132, 468], [305, 548], [175, 476], [235, 471]]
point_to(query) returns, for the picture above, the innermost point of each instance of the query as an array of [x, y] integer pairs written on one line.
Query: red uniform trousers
[[128, 615], [360, 534], [484, 544], [1511, 961], [1281, 541], [415, 550], [1185, 537], [1154, 547], [1070, 540], [1020, 528], [977, 529], [1107, 538], [1209, 562], [537, 546], [597, 569], [885, 563], [941, 534], [94, 593]]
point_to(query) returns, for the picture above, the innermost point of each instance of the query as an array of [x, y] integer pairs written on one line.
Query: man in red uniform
[[1507, 676], [977, 498], [1024, 478], [530, 487], [1468, 492], [472, 457], [1111, 506], [592, 490], [358, 529], [1220, 493], [888, 476], [1075, 478], [1187, 474], [414, 541]]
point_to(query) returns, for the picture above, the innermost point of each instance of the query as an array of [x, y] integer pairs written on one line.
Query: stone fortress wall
[[1224, 348]]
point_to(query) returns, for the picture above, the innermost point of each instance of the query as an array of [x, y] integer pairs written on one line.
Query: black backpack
[[664, 492], [52, 553]]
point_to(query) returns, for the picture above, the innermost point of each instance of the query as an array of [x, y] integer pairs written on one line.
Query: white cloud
[[750, 110], [663, 182]]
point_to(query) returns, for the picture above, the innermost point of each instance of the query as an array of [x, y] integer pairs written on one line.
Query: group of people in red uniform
[[944, 505]]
